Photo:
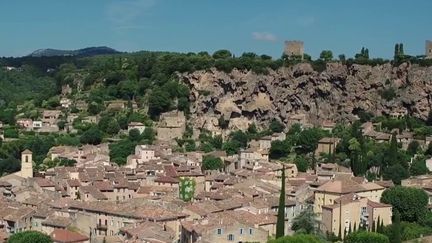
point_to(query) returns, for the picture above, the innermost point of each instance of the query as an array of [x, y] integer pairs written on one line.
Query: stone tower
[[294, 48], [428, 49], [26, 164]]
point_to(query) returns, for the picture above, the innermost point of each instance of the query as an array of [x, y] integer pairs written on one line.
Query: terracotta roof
[[42, 182], [378, 205], [66, 236], [27, 152], [340, 186], [166, 179]]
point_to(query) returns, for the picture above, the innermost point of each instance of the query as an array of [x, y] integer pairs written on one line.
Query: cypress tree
[[340, 232], [280, 226], [396, 229], [373, 229], [355, 227], [349, 228]]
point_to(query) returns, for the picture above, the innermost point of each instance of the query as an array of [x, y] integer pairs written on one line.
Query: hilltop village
[[122, 153]]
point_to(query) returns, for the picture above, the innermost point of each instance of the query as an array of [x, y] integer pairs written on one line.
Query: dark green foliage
[[280, 224], [302, 163], [396, 173], [396, 228], [221, 54], [149, 135], [326, 55], [305, 222], [231, 147], [134, 135], [276, 126], [279, 149], [297, 238], [92, 136], [29, 236], [413, 147], [409, 202], [67, 162], [366, 237], [307, 141], [211, 163], [418, 166], [388, 93], [119, 151], [159, 101], [408, 231]]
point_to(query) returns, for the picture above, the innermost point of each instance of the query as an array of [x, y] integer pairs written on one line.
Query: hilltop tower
[[26, 164], [294, 48], [428, 52]]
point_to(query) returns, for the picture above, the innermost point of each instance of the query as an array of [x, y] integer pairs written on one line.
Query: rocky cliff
[[339, 93]]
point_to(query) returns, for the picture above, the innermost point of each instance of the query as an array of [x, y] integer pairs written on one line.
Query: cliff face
[[338, 93]]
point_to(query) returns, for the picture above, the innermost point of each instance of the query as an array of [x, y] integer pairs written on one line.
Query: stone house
[[327, 145], [405, 138], [65, 103], [172, 125], [81, 105], [50, 117], [351, 211], [327, 193], [25, 123], [143, 153], [37, 124], [221, 227], [108, 218], [14, 217], [328, 125]]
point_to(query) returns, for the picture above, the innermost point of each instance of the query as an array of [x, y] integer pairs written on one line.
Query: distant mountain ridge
[[90, 51]]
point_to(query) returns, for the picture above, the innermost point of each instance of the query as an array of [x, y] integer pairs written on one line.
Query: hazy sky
[[261, 26]]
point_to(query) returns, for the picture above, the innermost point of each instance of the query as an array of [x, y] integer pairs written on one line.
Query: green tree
[[305, 222], [366, 237], [297, 238], [113, 127], [134, 135], [280, 225], [276, 126], [413, 147], [159, 101], [29, 236], [279, 149], [410, 202], [211, 163], [222, 54], [396, 229], [119, 151], [302, 163], [396, 173], [418, 166], [307, 141], [326, 55], [149, 135], [92, 136]]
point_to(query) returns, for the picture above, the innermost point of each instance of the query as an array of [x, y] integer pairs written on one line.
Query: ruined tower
[[428, 52], [26, 164], [294, 48]]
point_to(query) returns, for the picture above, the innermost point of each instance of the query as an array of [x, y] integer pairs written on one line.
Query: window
[[241, 231], [231, 237], [251, 231], [219, 231]]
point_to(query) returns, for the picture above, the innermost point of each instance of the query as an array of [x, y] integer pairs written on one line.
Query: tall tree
[[280, 226], [396, 228]]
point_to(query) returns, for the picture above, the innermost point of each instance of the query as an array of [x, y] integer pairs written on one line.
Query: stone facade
[[294, 48], [428, 49], [172, 125]]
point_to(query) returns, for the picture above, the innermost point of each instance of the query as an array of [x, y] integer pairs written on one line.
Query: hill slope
[[90, 51]]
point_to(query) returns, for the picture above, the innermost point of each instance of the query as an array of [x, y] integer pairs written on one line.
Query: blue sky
[[260, 26]]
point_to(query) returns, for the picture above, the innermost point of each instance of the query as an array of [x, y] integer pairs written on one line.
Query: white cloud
[[125, 12], [264, 36]]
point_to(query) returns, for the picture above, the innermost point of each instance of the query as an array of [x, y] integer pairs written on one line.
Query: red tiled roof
[[66, 236]]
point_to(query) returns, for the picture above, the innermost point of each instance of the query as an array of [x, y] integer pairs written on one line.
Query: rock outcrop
[[339, 93]]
